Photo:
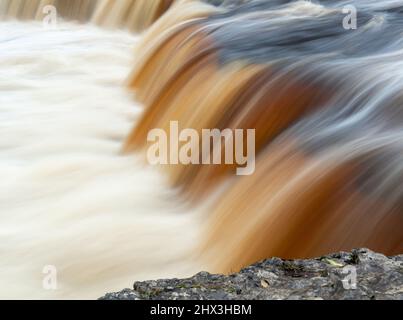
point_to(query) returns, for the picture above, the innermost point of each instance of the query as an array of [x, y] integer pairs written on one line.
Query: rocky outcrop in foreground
[[361, 274]]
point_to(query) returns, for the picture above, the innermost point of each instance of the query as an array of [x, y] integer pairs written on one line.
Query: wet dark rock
[[326, 278]]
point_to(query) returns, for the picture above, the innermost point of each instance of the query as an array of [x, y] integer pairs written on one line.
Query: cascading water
[[135, 15], [68, 198], [325, 103]]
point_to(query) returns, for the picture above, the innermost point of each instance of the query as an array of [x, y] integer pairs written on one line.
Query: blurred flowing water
[[326, 102], [68, 198], [325, 99]]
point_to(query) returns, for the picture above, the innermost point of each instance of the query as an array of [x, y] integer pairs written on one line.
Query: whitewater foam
[[68, 197]]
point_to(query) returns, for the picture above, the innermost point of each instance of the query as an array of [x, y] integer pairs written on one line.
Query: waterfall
[[325, 103], [134, 15], [78, 102]]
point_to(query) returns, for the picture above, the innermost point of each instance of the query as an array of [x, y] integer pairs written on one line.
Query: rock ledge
[[326, 278]]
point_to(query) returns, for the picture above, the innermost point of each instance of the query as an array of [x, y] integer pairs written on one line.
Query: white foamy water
[[67, 196]]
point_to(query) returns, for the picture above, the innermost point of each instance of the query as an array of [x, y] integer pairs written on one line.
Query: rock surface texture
[[361, 274]]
